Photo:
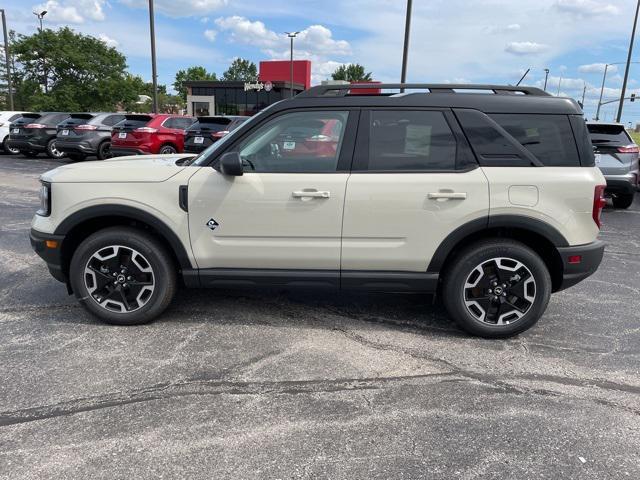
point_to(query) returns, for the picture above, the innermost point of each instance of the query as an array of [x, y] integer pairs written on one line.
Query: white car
[[6, 118], [491, 201]]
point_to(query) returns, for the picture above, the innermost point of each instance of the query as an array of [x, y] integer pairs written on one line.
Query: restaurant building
[[206, 97]]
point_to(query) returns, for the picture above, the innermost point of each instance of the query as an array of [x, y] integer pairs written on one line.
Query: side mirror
[[231, 164]]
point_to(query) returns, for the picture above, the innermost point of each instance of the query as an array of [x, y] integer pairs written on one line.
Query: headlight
[[45, 200]]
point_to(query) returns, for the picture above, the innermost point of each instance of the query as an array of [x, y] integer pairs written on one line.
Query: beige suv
[[486, 195]]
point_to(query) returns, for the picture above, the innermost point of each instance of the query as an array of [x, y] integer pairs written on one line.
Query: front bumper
[[51, 255], [26, 145], [574, 272]]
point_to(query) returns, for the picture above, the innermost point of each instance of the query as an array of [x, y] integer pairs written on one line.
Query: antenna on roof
[[525, 74]]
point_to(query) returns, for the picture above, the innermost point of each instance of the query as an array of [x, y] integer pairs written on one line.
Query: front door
[[285, 211]]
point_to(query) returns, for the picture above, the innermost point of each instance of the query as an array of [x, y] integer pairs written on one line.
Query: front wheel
[[622, 201], [123, 276], [52, 151], [497, 288], [168, 149]]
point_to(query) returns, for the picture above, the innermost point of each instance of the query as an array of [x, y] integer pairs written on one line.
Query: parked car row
[[107, 134]]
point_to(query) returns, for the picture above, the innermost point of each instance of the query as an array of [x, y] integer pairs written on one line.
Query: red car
[[148, 133]]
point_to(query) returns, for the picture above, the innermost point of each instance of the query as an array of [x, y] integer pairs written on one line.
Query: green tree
[[68, 71], [353, 72], [241, 70], [191, 73]]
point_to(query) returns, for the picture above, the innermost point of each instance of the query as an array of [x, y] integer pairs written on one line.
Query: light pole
[[154, 73], [626, 70], [6, 59], [559, 84], [604, 78], [584, 91], [405, 50], [40, 17], [546, 77], [291, 36]]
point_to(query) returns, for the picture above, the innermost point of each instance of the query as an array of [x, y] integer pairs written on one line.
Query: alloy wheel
[[499, 291], [119, 279]]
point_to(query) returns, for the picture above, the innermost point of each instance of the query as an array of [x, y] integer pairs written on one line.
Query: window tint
[[296, 142], [112, 120], [608, 134], [410, 140], [548, 137]]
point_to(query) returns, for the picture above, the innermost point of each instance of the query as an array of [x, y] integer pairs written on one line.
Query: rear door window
[[410, 140], [548, 137]]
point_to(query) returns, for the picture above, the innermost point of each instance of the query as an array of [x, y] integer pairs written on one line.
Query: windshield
[[203, 157]]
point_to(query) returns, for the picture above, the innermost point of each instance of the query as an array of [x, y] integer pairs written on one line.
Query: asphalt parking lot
[[271, 385]]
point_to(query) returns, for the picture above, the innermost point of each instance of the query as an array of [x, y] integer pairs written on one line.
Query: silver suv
[[617, 156]]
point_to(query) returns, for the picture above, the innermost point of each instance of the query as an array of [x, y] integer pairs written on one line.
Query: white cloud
[[596, 68], [525, 48], [586, 8], [210, 35], [108, 40], [180, 8], [72, 11], [243, 30], [512, 27]]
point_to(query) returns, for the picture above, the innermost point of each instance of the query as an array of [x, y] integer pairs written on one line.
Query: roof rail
[[343, 89]]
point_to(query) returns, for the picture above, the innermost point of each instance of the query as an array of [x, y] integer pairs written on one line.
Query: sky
[[452, 41]]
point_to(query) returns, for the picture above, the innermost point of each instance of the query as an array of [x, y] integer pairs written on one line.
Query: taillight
[[35, 125], [598, 203], [220, 134], [629, 149], [85, 127], [146, 130]]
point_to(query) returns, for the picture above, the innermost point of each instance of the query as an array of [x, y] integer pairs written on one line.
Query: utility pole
[[584, 91], [405, 50], [154, 72], [546, 77], [44, 62], [291, 36], [40, 17], [626, 70], [560, 83], [6, 59]]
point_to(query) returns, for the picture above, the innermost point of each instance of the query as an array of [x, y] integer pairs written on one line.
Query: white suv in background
[[486, 195], [6, 118]]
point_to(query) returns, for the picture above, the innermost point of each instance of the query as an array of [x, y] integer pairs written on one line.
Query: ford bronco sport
[[486, 195]]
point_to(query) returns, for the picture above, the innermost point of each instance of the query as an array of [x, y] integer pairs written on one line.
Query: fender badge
[[212, 224]]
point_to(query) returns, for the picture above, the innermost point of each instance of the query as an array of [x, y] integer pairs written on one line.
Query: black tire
[[123, 241], [7, 149], [52, 152], [167, 149], [475, 264], [29, 154], [76, 157], [104, 150], [622, 201]]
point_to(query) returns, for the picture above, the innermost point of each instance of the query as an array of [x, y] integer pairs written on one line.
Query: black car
[[207, 130], [84, 134], [36, 132]]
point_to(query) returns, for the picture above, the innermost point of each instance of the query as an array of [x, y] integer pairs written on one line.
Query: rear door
[[414, 181]]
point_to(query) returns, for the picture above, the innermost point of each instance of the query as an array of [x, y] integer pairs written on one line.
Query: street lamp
[[604, 78], [40, 17], [291, 35], [6, 59], [546, 77], [154, 73], [626, 70], [405, 50]]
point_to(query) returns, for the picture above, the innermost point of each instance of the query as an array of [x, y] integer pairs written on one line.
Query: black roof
[[485, 98]]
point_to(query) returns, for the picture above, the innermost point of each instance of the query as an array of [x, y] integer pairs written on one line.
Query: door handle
[[310, 194], [447, 195]]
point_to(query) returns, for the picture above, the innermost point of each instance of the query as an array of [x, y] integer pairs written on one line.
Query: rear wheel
[[167, 149], [123, 276], [104, 151], [622, 201], [497, 288], [52, 151], [7, 148], [77, 157]]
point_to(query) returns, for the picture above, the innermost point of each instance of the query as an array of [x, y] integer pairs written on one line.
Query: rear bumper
[[76, 147], [51, 256], [590, 258], [121, 151], [622, 184], [194, 148], [26, 146]]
